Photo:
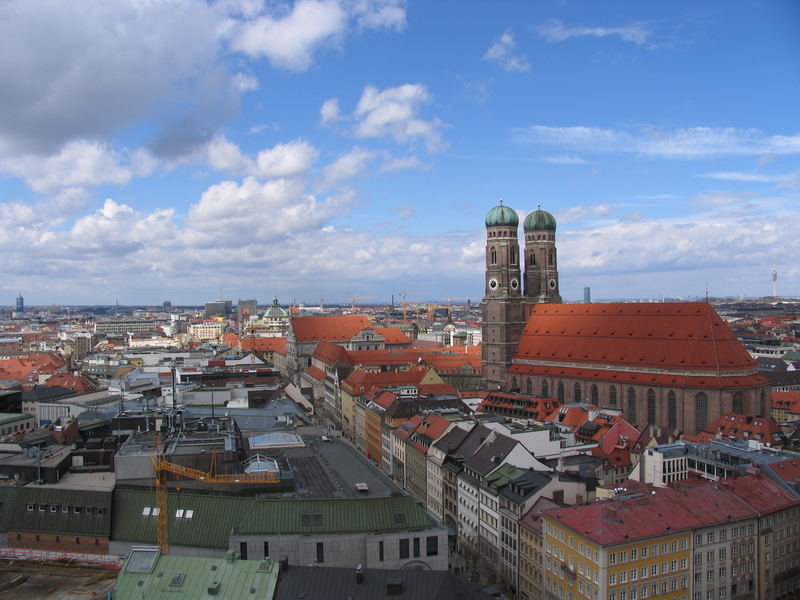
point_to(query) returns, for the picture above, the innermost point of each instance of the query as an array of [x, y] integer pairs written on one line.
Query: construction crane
[[405, 302], [162, 466]]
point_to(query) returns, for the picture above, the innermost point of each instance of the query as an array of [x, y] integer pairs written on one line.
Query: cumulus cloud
[[410, 162], [687, 143], [77, 164], [348, 166], [391, 113], [555, 30], [282, 160], [502, 52], [290, 36]]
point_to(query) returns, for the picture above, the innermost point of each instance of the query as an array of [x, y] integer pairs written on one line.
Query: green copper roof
[[503, 216], [539, 220]]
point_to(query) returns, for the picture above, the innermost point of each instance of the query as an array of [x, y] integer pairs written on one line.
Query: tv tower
[[774, 274]]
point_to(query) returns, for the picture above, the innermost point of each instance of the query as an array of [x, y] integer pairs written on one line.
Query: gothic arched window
[[651, 406], [493, 254], [533, 259], [595, 394], [631, 412], [545, 388], [672, 410], [513, 256], [738, 403], [551, 258], [561, 392], [612, 396], [529, 387], [577, 392], [700, 411]]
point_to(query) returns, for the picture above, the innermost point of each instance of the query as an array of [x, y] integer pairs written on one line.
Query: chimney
[[359, 574]]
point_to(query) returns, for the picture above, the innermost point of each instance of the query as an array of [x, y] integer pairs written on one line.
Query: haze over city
[[164, 151]]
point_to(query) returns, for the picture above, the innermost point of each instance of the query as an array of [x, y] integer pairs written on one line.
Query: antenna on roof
[[706, 291]]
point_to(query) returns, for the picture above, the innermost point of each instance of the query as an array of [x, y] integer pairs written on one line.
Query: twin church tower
[[515, 282]]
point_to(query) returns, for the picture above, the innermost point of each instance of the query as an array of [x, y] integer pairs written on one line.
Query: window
[[266, 549], [243, 550], [416, 547], [577, 392], [651, 407], [493, 256], [612, 558], [738, 403], [561, 392], [321, 553], [404, 548], [545, 388], [672, 410], [595, 394], [612, 579], [710, 537], [612, 396], [700, 410], [631, 416]]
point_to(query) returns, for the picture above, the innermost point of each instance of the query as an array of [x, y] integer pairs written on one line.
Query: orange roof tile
[[259, 344], [393, 335], [673, 337], [315, 372], [331, 353], [330, 328]]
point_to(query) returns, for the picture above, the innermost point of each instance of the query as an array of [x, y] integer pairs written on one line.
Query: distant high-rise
[[20, 305], [587, 295], [218, 308], [167, 305], [246, 309]]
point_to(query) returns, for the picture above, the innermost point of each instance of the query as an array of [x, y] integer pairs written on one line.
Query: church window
[[514, 386], [551, 259], [738, 403], [612, 396], [513, 256], [631, 412], [561, 392], [595, 394], [529, 387], [651, 407], [545, 388], [533, 259], [700, 410], [577, 393], [493, 254], [672, 410]]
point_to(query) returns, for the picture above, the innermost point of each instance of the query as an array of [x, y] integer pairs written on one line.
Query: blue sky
[[167, 150]]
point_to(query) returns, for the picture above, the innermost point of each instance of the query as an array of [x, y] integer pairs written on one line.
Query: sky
[[186, 150]]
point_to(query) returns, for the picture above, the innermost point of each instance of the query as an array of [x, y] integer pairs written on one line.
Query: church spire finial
[[500, 201]]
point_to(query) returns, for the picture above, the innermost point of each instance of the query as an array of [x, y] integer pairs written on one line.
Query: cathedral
[[676, 365]]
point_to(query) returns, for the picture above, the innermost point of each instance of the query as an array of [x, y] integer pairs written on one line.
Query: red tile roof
[[393, 335], [80, 384], [263, 344], [315, 372], [331, 353], [787, 470], [33, 364], [659, 512], [330, 328], [675, 338], [230, 339], [789, 401], [761, 493], [731, 425]]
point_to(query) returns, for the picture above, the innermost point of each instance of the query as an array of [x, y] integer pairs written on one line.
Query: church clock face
[[552, 283], [514, 284], [493, 283]]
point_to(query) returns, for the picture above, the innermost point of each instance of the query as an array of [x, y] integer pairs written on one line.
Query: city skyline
[[156, 151]]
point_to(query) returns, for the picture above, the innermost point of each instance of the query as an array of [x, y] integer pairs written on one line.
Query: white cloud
[[348, 166], [406, 211], [329, 111], [692, 142], [722, 198], [577, 213], [245, 82], [79, 163], [502, 53], [747, 177], [282, 160], [410, 162], [378, 14], [392, 113], [289, 36], [289, 40], [564, 159], [555, 31]]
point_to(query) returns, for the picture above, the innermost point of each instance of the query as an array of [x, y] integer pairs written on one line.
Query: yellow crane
[[162, 466]]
